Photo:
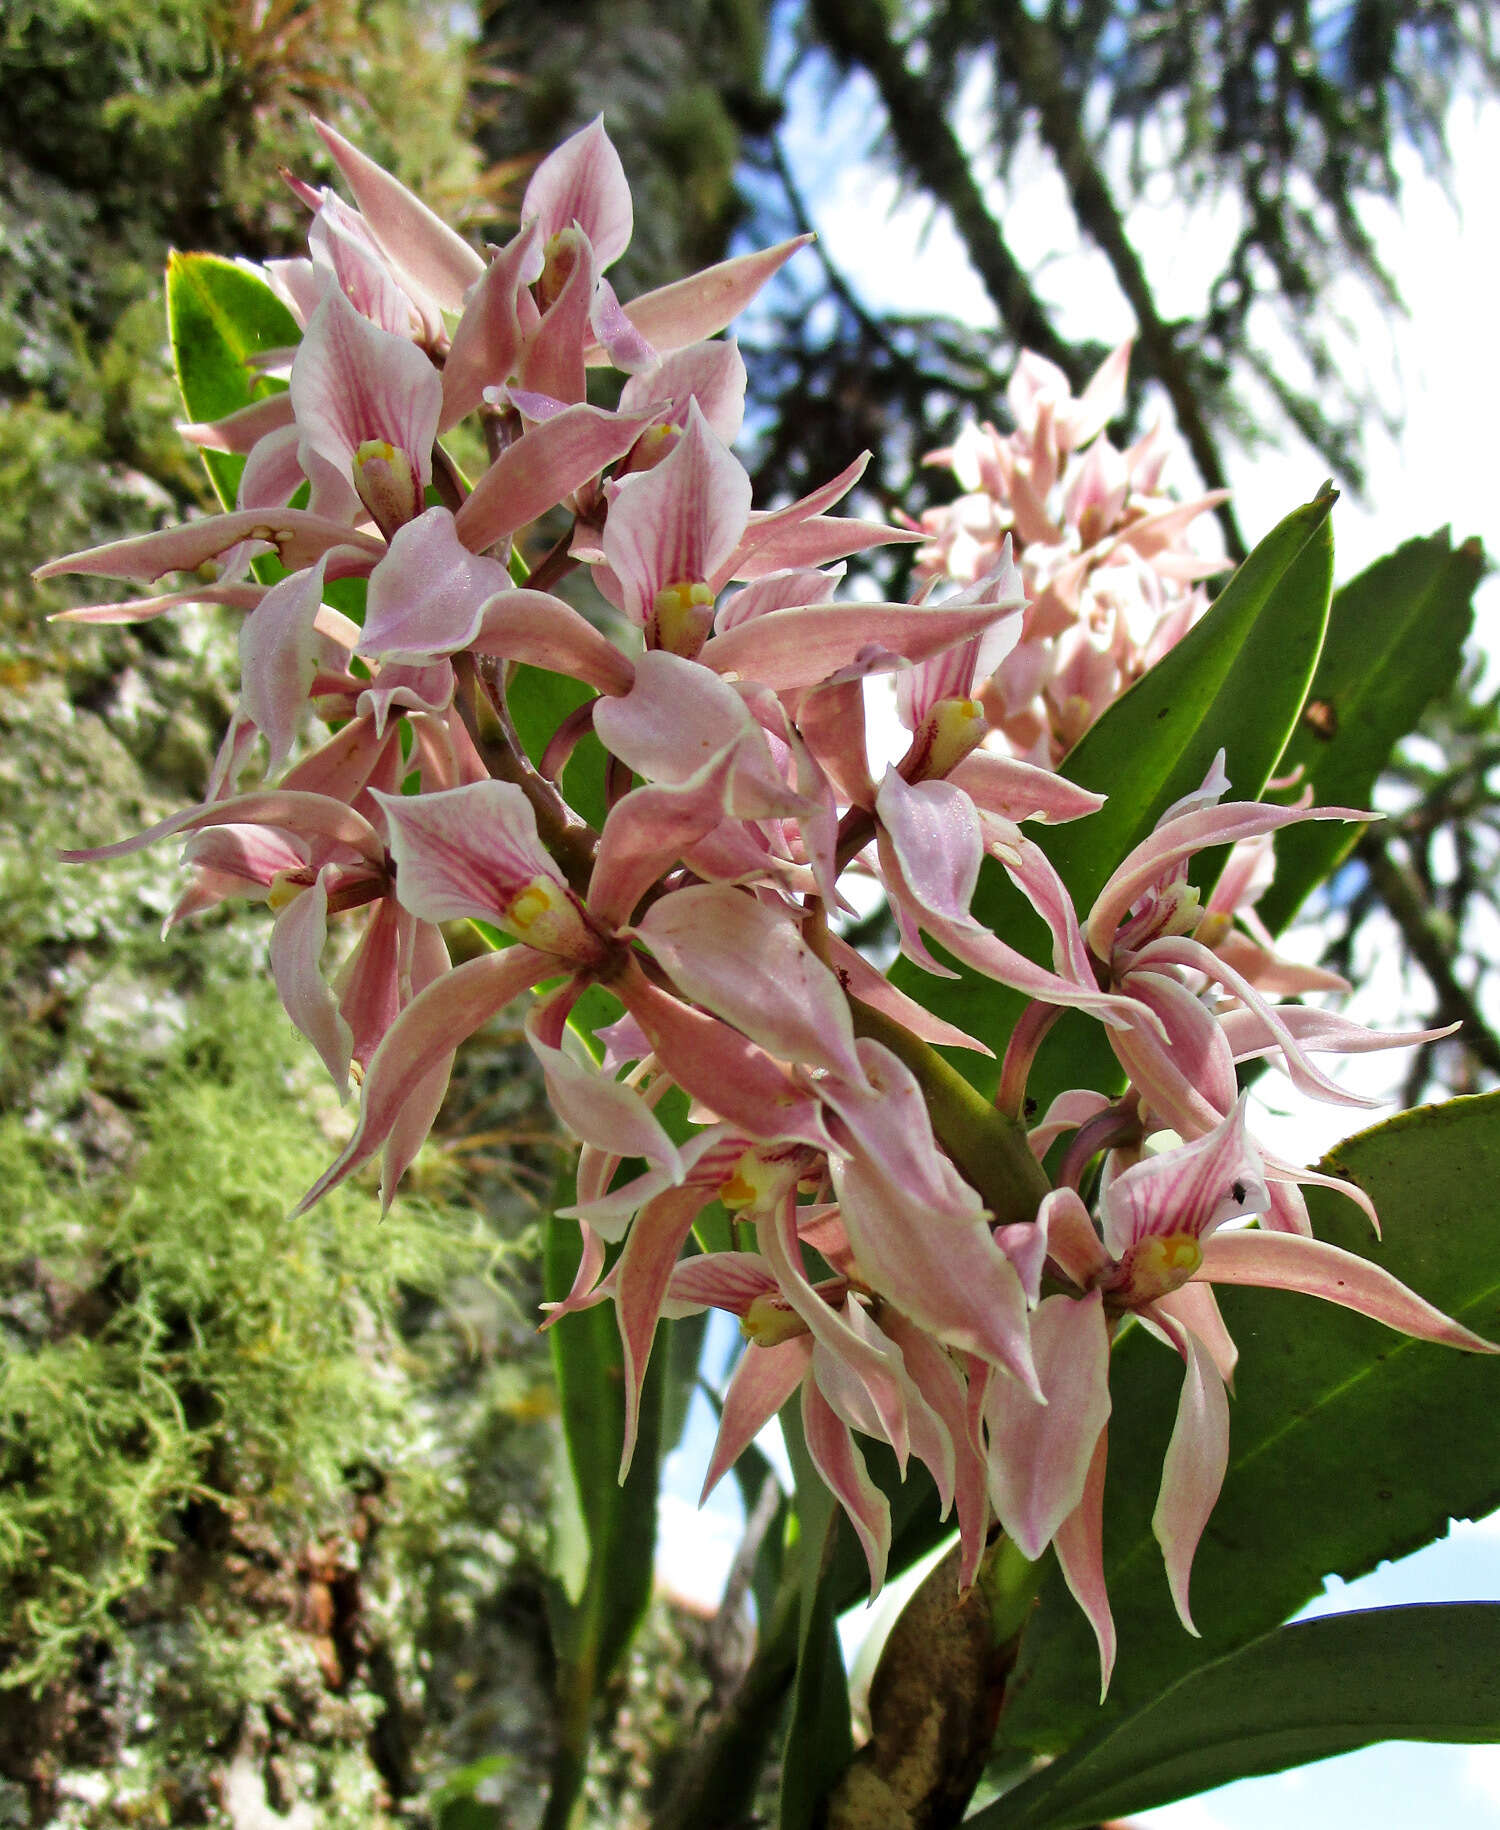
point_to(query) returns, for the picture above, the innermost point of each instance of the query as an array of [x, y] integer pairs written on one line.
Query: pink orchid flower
[[1163, 1246]]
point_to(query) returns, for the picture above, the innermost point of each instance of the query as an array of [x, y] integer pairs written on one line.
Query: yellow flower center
[[542, 915], [285, 888], [1162, 1263], [680, 616], [754, 1182], [956, 726], [1213, 927], [770, 1320], [387, 485]]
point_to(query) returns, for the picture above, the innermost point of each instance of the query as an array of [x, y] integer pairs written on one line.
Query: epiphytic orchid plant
[[974, 1210]]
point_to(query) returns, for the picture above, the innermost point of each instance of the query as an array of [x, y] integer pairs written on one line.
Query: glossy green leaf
[[219, 316], [1237, 682], [538, 702], [1301, 1693], [1349, 1443], [593, 1626], [819, 1739], [1395, 643]]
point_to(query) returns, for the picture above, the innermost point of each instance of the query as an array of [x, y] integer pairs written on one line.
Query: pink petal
[[1177, 1057], [1193, 1472], [583, 182], [1041, 1454], [689, 310], [1079, 1543], [405, 228], [1071, 1239], [296, 951], [679, 521], [279, 651], [1021, 791], [602, 1111], [254, 854], [886, 1114], [1249, 1035], [1285, 1261], [1197, 1309], [933, 832], [790, 590], [803, 646], [1179, 837], [719, 1280], [723, 1069], [861, 980], [340, 243], [809, 540], [310, 816], [297, 538], [987, 953], [543, 631], [679, 717], [469, 853], [749, 965], [487, 338], [240, 431], [541, 469], [641, 1279], [420, 1046], [832, 722], [1067, 1112], [712, 374], [648, 831], [948, 1275], [551, 357], [1190, 1190], [352, 382], [425, 596], [147, 609], [844, 1473], [863, 1354], [1304, 1074], [936, 1376], [763, 1381]]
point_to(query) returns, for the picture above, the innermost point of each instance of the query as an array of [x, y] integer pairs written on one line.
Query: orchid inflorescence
[[905, 1266]]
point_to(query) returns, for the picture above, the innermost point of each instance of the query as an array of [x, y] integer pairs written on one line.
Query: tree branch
[[858, 31], [1397, 886], [1033, 60]]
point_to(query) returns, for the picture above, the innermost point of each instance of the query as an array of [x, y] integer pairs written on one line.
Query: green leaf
[[219, 316], [1349, 1443], [1237, 682], [819, 1739], [1301, 1693], [538, 702], [1395, 643], [592, 1628]]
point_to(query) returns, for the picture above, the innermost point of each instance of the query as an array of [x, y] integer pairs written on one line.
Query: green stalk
[[989, 1148]]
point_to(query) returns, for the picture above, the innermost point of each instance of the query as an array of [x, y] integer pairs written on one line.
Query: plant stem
[[989, 1147]]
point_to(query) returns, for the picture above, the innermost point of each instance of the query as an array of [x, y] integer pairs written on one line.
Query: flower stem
[[989, 1147]]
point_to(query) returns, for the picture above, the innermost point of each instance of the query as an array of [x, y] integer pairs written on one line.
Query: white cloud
[[1187, 1814], [1481, 1775], [694, 1550]]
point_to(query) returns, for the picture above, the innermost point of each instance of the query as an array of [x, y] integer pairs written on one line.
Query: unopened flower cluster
[[1110, 560], [875, 1283]]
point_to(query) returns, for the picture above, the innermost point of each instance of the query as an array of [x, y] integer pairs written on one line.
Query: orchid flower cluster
[[1110, 559], [896, 1281]]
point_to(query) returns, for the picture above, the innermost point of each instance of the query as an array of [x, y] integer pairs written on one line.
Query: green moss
[[174, 1338]]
